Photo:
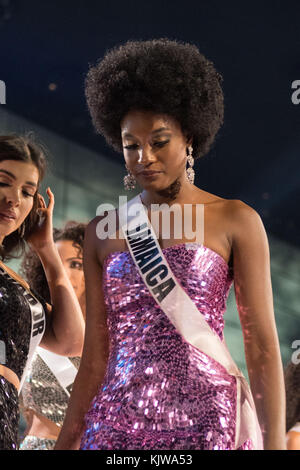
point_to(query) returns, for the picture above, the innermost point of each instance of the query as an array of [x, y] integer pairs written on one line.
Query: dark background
[[254, 45]]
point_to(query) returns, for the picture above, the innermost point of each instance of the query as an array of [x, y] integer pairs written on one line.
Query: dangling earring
[[129, 181], [190, 172], [21, 230]]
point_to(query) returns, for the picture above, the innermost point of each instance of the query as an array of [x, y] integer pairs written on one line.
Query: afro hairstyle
[[164, 76]]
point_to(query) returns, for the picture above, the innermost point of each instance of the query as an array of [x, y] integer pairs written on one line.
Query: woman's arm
[[96, 346], [64, 332], [254, 298]]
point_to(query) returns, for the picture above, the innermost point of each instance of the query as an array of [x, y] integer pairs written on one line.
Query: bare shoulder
[[241, 214], [100, 232], [246, 225], [91, 242], [90, 234], [233, 208], [238, 208]]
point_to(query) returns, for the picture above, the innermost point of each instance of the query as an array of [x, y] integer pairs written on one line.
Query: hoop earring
[[21, 230], [190, 172], [129, 181]]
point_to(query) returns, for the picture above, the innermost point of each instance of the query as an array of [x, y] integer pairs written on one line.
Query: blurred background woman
[[44, 399]]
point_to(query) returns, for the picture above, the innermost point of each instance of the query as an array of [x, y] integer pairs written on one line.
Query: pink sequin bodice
[[160, 392]]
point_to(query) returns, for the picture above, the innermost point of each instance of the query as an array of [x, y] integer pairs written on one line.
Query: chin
[[152, 185], [157, 183], [8, 232]]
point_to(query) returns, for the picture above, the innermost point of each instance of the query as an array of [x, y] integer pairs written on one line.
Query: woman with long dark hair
[[155, 371], [26, 319]]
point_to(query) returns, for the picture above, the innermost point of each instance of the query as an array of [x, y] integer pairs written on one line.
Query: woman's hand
[[42, 235]]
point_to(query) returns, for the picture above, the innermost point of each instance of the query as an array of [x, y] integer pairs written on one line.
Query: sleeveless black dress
[[15, 332]]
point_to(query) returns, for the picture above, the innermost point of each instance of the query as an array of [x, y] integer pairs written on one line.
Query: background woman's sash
[[61, 367]]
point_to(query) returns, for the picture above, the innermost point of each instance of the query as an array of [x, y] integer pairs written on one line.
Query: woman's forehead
[[20, 171], [136, 121]]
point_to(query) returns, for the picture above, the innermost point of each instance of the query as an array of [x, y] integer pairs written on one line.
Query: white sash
[[173, 300], [38, 322], [61, 367]]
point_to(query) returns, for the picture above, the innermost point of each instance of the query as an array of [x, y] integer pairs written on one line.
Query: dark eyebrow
[[161, 129], [14, 178]]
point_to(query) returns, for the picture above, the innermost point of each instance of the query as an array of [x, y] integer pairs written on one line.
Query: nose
[[12, 196], [145, 155]]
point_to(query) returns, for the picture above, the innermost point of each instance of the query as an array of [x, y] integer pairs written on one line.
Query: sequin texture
[[15, 325], [37, 443], [15, 330], [159, 391], [9, 415], [42, 392]]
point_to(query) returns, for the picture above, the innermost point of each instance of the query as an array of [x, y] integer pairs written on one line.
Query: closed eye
[[131, 147], [28, 194], [24, 192], [155, 144], [161, 144]]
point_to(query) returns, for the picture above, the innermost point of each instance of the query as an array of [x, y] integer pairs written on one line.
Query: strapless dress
[[159, 391]]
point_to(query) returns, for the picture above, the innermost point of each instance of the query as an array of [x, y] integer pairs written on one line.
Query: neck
[[178, 192]]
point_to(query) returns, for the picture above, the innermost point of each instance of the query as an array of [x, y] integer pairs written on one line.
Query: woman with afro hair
[[146, 382]]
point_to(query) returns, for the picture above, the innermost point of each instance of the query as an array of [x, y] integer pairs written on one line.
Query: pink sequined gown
[[160, 392]]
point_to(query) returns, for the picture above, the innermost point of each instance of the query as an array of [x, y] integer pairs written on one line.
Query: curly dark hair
[[31, 267], [165, 76], [292, 387], [22, 148]]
